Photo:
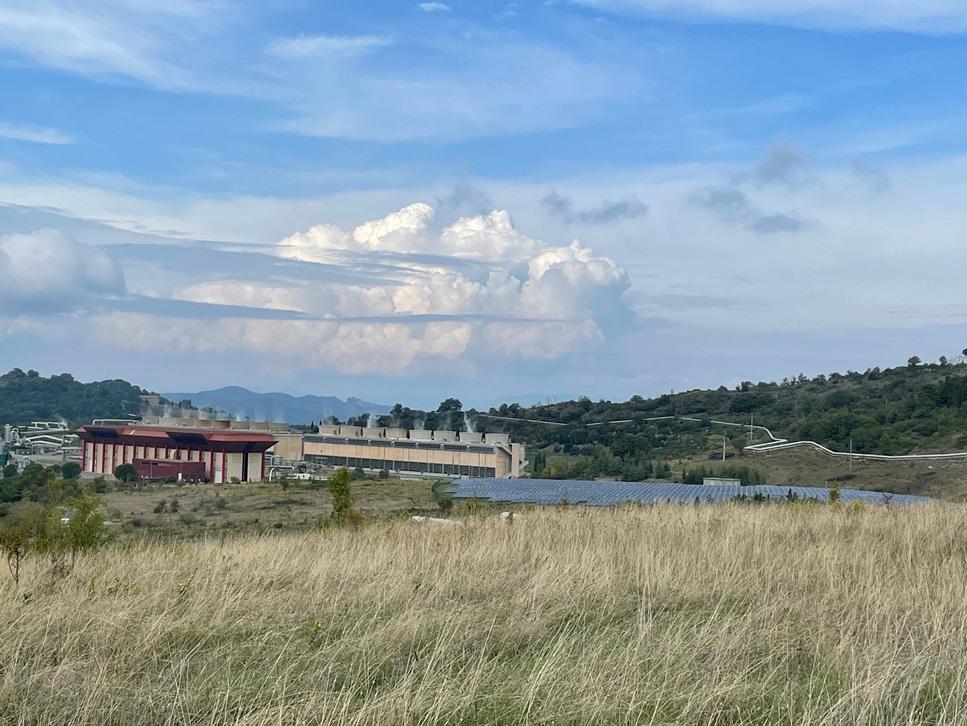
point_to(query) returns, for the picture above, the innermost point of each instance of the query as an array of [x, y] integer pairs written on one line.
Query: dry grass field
[[940, 479], [200, 509], [772, 614]]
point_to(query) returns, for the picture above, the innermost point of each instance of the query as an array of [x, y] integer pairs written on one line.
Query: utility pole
[[751, 423], [850, 454]]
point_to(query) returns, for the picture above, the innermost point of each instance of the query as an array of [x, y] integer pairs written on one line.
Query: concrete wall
[[234, 466], [289, 446], [255, 467], [426, 456]]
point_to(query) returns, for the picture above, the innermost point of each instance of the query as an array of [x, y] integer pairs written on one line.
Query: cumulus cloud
[[434, 7], [490, 236], [47, 271], [520, 297], [561, 206]]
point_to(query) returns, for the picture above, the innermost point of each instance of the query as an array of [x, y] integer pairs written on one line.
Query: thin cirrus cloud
[[920, 16], [325, 47], [113, 38], [33, 134], [434, 7], [480, 83], [495, 86]]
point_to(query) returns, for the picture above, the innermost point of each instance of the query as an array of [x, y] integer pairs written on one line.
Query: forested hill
[[26, 397], [914, 408]]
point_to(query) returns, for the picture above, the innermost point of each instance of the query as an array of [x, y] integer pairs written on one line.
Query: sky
[[406, 201]]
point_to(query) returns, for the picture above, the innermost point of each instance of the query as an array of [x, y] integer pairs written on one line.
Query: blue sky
[[406, 201]]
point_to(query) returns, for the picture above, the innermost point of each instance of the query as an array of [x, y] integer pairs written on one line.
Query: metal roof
[[605, 493]]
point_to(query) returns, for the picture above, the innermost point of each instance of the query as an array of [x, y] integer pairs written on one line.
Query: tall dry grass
[[684, 615]]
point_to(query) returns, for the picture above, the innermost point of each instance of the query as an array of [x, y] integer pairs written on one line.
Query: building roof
[[160, 435]]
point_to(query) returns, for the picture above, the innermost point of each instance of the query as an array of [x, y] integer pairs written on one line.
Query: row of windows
[[402, 444], [416, 467]]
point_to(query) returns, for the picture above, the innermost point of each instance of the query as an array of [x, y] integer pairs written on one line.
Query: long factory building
[[415, 451], [197, 453]]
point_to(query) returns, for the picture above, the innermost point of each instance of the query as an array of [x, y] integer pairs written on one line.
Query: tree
[[126, 473], [9, 471], [913, 361], [342, 496], [70, 470], [42, 529], [16, 535]]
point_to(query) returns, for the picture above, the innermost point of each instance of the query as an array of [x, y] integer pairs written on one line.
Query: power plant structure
[[416, 451], [215, 451]]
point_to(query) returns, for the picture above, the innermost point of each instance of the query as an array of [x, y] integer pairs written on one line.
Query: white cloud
[[325, 47], [434, 7], [483, 237], [483, 85], [479, 83], [527, 300], [111, 37], [46, 271], [33, 134], [930, 16]]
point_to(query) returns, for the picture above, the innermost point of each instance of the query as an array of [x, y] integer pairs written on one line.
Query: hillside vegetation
[[665, 615], [26, 397], [914, 408]]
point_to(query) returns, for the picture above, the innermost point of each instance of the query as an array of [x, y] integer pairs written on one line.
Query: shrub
[[342, 497], [126, 473], [42, 529]]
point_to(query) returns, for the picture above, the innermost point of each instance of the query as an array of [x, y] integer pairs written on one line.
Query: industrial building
[[402, 451], [40, 437], [209, 451]]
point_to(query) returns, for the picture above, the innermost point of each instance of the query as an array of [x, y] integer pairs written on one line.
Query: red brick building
[[192, 454]]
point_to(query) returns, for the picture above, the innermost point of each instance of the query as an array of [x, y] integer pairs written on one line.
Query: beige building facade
[[444, 453]]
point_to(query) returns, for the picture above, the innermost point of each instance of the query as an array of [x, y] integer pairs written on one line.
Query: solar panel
[[609, 493]]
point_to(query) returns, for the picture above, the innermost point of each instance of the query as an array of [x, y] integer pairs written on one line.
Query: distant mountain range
[[244, 403]]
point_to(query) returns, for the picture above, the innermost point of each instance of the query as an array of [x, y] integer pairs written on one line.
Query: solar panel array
[[605, 493]]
